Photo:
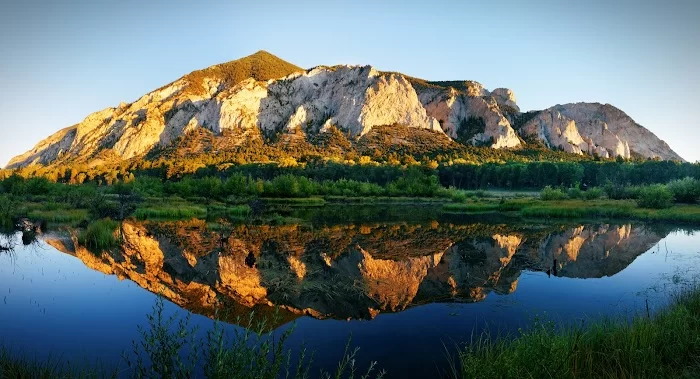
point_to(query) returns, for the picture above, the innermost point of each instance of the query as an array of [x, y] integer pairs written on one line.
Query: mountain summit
[[264, 97]]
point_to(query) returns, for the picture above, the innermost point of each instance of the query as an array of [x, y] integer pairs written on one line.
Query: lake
[[407, 286]]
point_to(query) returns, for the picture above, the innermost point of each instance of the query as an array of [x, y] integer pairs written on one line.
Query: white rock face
[[556, 131], [601, 122], [506, 99], [354, 98], [596, 129], [452, 109]]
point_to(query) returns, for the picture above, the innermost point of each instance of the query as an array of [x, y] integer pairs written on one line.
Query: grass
[[170, 348], [665, 346], [384, 200], [296, 202], [582, 209], [174, 211], [63, 216], [100, 235]]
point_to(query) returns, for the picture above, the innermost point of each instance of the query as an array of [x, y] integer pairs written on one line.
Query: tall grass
[[100, 235], [170, 212], [665, 346], [170, 348], [621, 209], [14, 365], [297, 202], [58, 215]]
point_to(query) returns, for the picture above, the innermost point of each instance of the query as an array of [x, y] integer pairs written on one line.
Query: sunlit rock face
[[242, 103], [594, 128], [353, 99], [354, 271], [455, 109]]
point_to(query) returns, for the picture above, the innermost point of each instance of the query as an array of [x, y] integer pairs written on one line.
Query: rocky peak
[[506, 100], [264, 95], [468, 112], [596, 128]]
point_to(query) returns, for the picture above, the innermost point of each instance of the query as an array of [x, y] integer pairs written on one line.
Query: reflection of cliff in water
[[354, 271]]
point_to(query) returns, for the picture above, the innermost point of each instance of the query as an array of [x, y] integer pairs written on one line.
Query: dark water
[[404, 288]]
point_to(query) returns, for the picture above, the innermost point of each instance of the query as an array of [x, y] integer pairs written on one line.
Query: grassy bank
[[664, 346], [579, 209]]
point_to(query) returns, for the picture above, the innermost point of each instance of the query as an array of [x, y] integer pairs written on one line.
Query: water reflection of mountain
[[355, 271]]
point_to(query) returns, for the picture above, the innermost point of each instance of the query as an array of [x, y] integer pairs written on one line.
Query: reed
[[664, 346]]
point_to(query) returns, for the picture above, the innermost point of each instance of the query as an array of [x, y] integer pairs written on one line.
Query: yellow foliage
[[287, 162], [365, 160]]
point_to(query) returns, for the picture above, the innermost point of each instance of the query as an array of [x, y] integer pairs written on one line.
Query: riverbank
[[577, 209], [663, 346]]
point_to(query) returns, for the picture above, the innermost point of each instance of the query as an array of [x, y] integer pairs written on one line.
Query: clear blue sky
[[61, 60]]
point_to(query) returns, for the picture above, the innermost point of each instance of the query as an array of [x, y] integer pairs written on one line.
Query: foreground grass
[[170, 348], [14, 366], [665, 346]]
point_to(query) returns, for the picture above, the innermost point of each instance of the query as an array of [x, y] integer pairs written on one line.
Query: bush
[[101, 207], [37, 186], [7, 213], [685, 190], [593, 193], [573, 193], [458, 196], [656, 196], [549, 193]]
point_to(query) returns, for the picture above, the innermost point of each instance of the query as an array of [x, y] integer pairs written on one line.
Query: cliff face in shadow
[[353, 271]]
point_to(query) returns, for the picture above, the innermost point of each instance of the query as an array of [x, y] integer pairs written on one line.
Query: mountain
[[596, 128], [262, 97]]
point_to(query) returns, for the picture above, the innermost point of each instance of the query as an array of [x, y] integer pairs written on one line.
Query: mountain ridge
[[262, 94]]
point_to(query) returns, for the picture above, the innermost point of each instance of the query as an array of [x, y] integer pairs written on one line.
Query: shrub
[[459, 196], [655, 196], [573, 193], [685, 190], [7, 213], [37, 186], [549, 193], [593, 193], [101, 207]]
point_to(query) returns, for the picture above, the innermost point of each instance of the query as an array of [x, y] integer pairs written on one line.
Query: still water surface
[[403, 289]]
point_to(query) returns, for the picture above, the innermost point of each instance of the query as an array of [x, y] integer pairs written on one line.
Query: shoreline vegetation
[[240, 198], [666, 345]]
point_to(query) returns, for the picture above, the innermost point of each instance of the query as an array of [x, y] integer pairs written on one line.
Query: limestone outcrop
[[473, 119], [264, 95], [595, 128]]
